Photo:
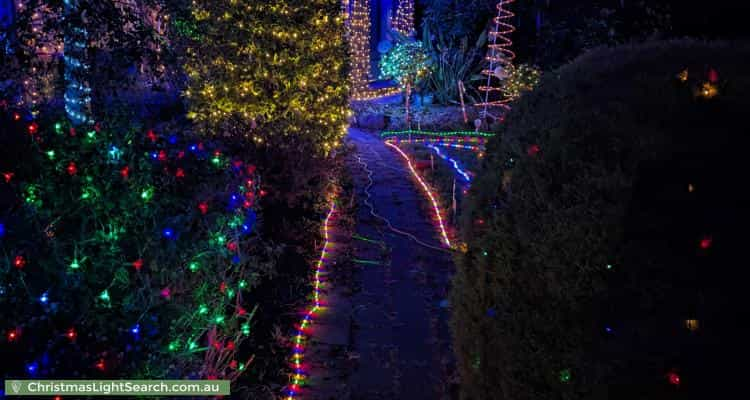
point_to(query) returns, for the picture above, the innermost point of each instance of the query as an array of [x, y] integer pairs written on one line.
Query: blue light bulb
[[44, 298]]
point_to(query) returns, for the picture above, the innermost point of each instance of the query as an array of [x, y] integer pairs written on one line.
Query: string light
[[433, 200], [409, 133], [457, 167], [403, 21], [300, 337]]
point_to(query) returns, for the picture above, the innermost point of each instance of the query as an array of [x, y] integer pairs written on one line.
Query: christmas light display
[[302, 335], [359, 49], [499, 59], [521, 78], [107, 252], [77, 93], [272, 71], [389, 134], [433, 199], [407, 63], [403, 21], [458, 142], [453, 162]]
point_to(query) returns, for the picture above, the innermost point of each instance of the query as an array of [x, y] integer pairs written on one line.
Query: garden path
[[386, 336]]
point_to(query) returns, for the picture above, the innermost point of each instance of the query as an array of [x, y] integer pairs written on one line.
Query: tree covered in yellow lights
[[272, 71]]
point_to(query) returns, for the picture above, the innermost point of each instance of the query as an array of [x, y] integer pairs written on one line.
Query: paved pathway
[[386, 337]]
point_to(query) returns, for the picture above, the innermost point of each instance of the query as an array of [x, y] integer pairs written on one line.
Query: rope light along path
[[369, 204], [388, 134], [457, 167], [500, 58], [438, 214], [301, 336]]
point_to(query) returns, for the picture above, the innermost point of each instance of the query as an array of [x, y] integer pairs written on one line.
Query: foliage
[[272, 72], [587, 239], [521, 78], [407, 62], [126, 252]]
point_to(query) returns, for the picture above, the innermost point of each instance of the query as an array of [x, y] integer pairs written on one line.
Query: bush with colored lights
[[604, 234], [407, 62], [125, 251]]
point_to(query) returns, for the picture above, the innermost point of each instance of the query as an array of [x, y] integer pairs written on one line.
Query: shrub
[[591, 232]]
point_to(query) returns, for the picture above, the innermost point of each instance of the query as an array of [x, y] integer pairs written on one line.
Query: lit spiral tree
[[77, 93], [403, 22], [500, 59]]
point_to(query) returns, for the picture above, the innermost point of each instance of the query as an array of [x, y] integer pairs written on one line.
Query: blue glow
[[172, 139], [136, 329], [452, 161], [2, 230], [236, 259], [168, 233], [32, 368], [44, 298]]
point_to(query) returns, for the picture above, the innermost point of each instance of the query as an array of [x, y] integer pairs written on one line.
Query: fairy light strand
[[389, 134], [299, 373], [428, 191], [455, 164]]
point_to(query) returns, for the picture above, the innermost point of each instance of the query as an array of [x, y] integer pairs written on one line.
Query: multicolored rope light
[[388, 134], [500, 58], [428, 191], [464, 143], [457, 167], [301, 336]]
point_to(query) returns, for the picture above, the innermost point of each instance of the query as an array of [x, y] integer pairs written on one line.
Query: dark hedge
[[591, 170]]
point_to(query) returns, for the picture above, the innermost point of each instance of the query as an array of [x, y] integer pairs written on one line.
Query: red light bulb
[[138, 264], [13, 335], [71, 334], [16, 116], [8, 176], [125, 172], [152, 136], [706, 243], [33, 128], [100, 365], [180, 173], [162, 155], [232, 246], [533, 150], [19, 262], [71, 169], [203, 207], [673, 378]]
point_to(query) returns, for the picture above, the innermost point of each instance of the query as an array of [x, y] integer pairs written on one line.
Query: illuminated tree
[[272, 71]]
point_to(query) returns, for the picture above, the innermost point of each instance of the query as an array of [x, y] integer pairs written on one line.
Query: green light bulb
[[104, 296], [76, 265], [51, 154], [202, 309], [194, 266]]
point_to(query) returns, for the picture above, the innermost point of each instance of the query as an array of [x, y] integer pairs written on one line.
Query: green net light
[[192, 346], [202, 309], [104, 296], [147, 194], [230, 293], [76, 265], [245, 329], [565, 376], [58, 127], [219, 319], [243, 284], [194, 266], [51, 154], [174, 345]]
